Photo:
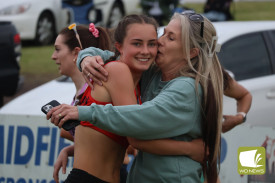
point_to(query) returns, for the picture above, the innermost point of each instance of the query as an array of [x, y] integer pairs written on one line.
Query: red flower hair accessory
[[93, 30]]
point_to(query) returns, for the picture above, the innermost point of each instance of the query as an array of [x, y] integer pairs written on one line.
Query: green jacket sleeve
[[92, 51], [175, 111]]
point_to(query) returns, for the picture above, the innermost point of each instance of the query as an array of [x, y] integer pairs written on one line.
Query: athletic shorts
[[81, 176]]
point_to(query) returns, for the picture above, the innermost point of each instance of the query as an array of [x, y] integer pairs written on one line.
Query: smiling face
[[64, 57], [170, 51], [139, 47]]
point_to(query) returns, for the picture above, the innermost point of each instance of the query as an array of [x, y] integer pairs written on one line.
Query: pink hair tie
[[93, 30]]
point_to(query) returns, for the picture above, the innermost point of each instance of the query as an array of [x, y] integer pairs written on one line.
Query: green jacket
[[169, 110]]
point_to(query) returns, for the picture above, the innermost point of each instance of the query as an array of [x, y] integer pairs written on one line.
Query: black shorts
[[81, 176], [123, 173]]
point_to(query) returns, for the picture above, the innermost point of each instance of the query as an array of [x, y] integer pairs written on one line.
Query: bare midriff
[[98, 154]]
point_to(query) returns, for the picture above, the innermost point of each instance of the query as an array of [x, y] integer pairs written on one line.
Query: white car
[[38, 20], [30, 141], [248, 52]]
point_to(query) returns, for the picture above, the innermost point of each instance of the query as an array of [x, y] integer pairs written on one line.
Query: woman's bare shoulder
[[117, 69]]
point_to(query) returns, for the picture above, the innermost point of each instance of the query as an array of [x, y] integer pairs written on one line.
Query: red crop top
[[87, 100]]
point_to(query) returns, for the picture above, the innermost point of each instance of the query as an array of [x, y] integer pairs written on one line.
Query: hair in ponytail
[[87, 38], [206, 70]]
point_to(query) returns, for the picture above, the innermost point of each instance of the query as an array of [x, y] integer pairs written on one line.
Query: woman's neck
[[167, 76], [79, 81], [136, 78], [172, 71]]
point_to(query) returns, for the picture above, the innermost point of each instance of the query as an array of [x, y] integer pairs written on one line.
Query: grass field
[[245, 10], [37, 60]]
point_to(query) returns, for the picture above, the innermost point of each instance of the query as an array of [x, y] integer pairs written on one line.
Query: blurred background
[[28, 29]]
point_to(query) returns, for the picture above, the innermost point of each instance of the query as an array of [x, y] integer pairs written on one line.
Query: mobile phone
[[68, 125]]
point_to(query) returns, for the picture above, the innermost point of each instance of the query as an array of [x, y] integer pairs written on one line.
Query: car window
[[246, 56]]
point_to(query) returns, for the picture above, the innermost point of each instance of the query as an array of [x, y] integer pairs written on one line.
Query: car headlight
[[15, 9]]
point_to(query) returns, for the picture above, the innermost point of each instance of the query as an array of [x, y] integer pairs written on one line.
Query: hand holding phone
[[68, 125]]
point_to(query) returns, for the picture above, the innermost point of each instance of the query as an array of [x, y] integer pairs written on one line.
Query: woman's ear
[[194, 52], [118, 47], [75, 52]]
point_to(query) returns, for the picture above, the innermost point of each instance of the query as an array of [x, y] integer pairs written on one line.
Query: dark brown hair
[[122, 28], [226, 79], [87, 39]]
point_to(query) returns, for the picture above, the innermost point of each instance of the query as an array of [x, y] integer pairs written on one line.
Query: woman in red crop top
[[93, 161], [67, 47]]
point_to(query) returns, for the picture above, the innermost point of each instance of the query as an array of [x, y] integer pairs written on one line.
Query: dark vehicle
[[218, 10], [80, 10], [161, 10], [106, 13], [10, 52]]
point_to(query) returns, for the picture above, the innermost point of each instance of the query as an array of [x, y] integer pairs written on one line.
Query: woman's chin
[[158, 59]]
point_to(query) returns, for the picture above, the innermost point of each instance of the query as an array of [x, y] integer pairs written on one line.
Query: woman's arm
[[90, 62], [175, 111], [92, 51], [244, 100], [120, 88], [65, 134], [62, 161], [194, 149]]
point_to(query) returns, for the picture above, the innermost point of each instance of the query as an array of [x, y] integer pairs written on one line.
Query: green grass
[[254, 10], [245, 11], [37, 60]]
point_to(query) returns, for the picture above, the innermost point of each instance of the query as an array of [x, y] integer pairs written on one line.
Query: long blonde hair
[[207, 71]]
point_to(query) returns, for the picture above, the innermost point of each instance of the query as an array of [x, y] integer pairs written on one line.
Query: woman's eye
[[136, 44], [152, 44], [171, 38]]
